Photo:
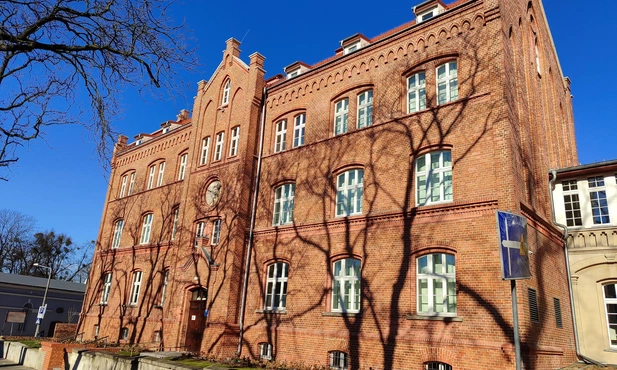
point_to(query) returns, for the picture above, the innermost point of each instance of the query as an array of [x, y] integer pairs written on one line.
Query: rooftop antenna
[[247, 32]]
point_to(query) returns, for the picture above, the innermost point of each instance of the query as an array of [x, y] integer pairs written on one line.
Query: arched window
[[338, 360], [436, 284], [434, 365], [610, 303], [118, 226], [434, 177], [276, 286], [284, 204], [341, 116], [135, 288], [146, 228], [416, 92], [365, 109], [226, 92], [447, 82], [265, 351], [346, 285], [349, 192]]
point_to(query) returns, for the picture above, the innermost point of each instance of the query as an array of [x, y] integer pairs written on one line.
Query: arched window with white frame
[[416, 92], [276, 286], [434, 177], [447, 82], [610, 304], [436, 284], [226, 92], [346, 287], [349, 192]]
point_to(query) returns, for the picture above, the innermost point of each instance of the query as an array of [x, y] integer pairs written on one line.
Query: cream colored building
[[585, 200]]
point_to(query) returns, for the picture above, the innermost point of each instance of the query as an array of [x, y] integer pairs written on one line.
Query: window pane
[[610, 291], [438, 295], [423, 265], [421, 164]]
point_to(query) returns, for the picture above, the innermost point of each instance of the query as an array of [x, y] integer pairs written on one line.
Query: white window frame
[[105, 292], [131, 184], [416, 92], [436, 365], [200, 229], [118, 226], [351, 48], [276, 287], [97, 329], [265, 351], [347, 285], [218, 148], [205, 150], [146, 228], [341, 116], [598, 200], [283, 211], [365, 109], [339, 360], [124, 333], [135, 288], [434, 185], [123, 186], [448, 82], [174, 227], [280, 142], [434, 275], [299, 129], [350, 192], [572, 203], [235, 138], [427, 14], [216, 232], [612, 336], [159, 181], [226, 92], [164, 287], [151, 174], [182, 169]]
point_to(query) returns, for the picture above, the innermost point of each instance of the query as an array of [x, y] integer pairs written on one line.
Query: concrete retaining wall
[[94, 360], [23, 355]]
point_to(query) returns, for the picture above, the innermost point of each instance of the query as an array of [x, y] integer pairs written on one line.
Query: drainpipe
[[565, 247], [249, 246]]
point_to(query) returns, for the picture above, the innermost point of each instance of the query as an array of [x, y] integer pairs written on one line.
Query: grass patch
[[31, 343], [193, 362]]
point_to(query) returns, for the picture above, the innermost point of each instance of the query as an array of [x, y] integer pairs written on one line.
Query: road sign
[[513, 248], [41, 313]]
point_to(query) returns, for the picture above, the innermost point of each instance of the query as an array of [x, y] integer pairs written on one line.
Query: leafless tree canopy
[[21, 248], [56, 52]]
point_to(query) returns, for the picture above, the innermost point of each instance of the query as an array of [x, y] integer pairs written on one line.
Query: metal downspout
[[249, 246], [565, 247]]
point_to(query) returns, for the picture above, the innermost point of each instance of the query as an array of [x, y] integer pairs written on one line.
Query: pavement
[[9, 365]]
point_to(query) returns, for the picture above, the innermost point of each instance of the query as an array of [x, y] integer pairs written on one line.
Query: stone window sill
[[435, 318], [341, 314]]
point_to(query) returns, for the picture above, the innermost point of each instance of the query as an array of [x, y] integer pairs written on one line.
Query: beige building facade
[[586, 203]]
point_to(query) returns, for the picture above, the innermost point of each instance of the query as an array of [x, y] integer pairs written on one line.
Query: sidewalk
[[9, 365]]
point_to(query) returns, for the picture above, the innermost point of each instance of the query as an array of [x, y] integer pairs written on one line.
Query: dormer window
[[428, 10], [166, 129], [137, 142], [295, 69], [351, 48], [354, 43]]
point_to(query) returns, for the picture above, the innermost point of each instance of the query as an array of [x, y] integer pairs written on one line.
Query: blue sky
[[60, 182]]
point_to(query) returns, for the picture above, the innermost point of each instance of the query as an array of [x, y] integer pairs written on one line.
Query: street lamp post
[[36, 331]]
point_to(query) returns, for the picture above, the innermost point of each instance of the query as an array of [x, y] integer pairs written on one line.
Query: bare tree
[[55, 51], [15, 229]]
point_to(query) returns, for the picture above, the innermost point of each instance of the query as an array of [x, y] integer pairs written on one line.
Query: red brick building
[[363, 190]]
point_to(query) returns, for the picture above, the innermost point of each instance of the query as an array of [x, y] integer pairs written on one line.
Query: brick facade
[[510, 121]]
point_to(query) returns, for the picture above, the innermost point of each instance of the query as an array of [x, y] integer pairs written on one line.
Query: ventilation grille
[[558, 319], [534, 314]]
